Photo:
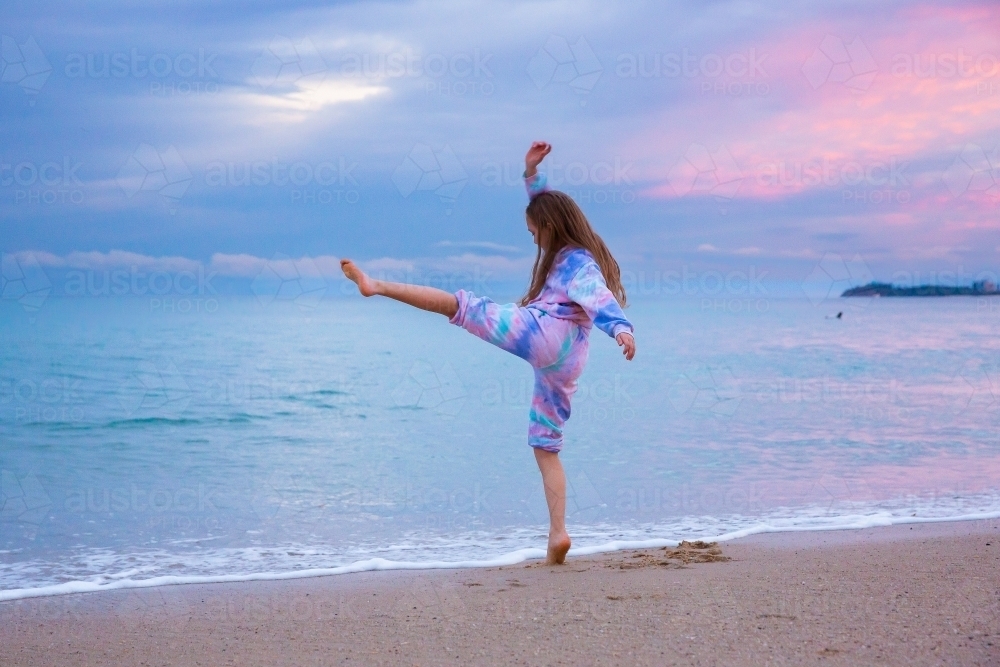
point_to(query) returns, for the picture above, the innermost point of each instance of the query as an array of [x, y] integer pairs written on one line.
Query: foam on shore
[[211, 564]]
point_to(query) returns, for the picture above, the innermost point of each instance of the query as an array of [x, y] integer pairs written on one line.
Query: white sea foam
[[216, 566]]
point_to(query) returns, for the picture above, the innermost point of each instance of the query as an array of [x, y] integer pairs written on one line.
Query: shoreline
[[845, 523], [920, 593]]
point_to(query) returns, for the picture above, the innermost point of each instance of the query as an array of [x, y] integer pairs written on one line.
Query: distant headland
[[980, 288]]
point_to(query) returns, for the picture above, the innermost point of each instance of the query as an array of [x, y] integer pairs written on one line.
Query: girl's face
[[533, 229]]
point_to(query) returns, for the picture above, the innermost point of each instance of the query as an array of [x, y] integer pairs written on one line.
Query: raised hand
[[534, 157]]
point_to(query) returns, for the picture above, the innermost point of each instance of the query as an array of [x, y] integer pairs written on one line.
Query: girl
[[575, 285]]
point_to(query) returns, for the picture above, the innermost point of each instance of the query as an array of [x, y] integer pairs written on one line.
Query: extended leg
[[419, 296], [554, 480]]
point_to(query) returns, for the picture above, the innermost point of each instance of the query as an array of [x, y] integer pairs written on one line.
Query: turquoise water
[[140, 445]]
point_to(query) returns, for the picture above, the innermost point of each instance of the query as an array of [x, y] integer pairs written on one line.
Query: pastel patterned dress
[[551, 333]]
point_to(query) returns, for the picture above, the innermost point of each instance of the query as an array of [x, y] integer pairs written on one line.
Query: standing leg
[[418, 296], [554, 480], [550, 408]]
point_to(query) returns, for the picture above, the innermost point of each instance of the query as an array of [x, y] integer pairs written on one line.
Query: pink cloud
[[886, 154], [801, 138]]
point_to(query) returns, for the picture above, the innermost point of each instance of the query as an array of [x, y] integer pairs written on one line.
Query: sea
[[146, 442]]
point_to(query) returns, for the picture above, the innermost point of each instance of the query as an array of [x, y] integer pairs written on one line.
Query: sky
[[847, 141]]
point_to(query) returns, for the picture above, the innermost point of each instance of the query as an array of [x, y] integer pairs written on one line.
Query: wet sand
[[926, 594]]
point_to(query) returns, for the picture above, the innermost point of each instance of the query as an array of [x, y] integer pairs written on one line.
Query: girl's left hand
[[534, 157], [627, 342]]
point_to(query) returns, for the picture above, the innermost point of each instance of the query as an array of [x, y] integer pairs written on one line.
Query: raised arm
[[534, 157], [534, 180]]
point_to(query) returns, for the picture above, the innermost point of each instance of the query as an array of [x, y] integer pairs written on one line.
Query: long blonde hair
[[561, 223]]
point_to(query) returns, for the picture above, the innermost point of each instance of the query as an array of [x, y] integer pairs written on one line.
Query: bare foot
[[366, 285], [558, 547]]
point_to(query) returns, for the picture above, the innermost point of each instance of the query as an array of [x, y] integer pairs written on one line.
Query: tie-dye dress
[[551, 333]]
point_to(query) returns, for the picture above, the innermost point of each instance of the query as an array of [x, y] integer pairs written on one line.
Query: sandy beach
[[922, 594]]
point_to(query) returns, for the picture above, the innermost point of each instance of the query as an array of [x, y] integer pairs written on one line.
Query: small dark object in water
[[840, 314]]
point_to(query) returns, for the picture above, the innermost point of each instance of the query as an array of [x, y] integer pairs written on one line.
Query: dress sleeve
[[536, 185], [589, 290]]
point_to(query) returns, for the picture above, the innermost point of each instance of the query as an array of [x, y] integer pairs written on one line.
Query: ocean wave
[[144, 422], [151, 421], [474, 550]]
